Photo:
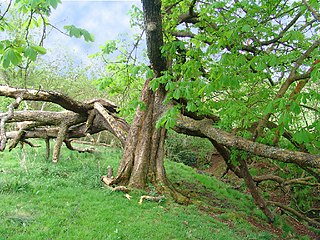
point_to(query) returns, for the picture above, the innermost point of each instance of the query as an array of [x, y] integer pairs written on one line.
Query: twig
[[6, 11]]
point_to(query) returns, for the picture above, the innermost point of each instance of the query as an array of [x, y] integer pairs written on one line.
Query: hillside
[[40, 200]]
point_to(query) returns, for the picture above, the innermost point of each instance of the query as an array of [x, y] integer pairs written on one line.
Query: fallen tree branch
[[60, 138], [20, 133], [117, 130], [45, 96], [91, 143], [4, 118], [80, 150], [55, 97]]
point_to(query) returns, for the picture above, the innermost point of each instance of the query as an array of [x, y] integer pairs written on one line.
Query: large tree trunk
[[143, 156], [144, 152]]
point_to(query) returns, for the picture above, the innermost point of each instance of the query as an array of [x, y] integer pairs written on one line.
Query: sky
[[105, 19]]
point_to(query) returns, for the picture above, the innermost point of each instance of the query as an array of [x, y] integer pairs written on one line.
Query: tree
[[215, 74], [242, 74], [144, 152]]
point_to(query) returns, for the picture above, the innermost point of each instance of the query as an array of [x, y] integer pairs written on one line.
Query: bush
[[191, 151]]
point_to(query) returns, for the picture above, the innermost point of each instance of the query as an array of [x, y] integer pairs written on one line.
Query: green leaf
[[302, 136], [54, 3], [88, 37], [295, 107], [73, 31], [1, 47], [154, 84], [39, 49], [161, 121], [11, 56], [177, 93], [246, 28], [285, 119], [109, 47], [149, 74], [30, 53], [170, 86], [191, 107], [6, 62], [170, 123]]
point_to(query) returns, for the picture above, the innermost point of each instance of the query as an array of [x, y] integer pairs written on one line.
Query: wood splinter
[[151, 198], [108, 182]]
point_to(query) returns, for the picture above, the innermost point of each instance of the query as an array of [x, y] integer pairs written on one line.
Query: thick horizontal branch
[[47, 117], [54, 97], [205, 128], [45, 96], [284, 182], [50, 121]]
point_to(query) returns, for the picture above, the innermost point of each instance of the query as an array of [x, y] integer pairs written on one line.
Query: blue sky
[[104, 19]]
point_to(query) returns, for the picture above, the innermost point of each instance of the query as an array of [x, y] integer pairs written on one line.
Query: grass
[[40, 200]]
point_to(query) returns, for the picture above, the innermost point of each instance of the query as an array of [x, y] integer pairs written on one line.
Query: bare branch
[[305, 55], [80, 150], [4, 119], [60, 138], [310, 108], [6, 11], [284, 182]]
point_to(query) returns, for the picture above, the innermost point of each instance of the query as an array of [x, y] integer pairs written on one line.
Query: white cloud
[[104, 19]]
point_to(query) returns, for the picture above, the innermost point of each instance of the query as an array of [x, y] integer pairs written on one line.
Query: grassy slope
[[67, 201]]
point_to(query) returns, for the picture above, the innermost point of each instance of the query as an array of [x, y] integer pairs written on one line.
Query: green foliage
[[191, 151], [124, 74], [231, 64], [74, 31], [168, 119], [21, 24], [21, 18]]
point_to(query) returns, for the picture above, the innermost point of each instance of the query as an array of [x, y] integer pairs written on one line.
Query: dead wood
[[4, 118], [117, 129], [80, 119], [151, 198], [80, 150]]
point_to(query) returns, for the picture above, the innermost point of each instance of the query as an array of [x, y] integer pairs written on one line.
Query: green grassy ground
[[39, 200]]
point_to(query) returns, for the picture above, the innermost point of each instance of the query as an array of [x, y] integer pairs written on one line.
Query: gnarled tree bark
[[143, 156]]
